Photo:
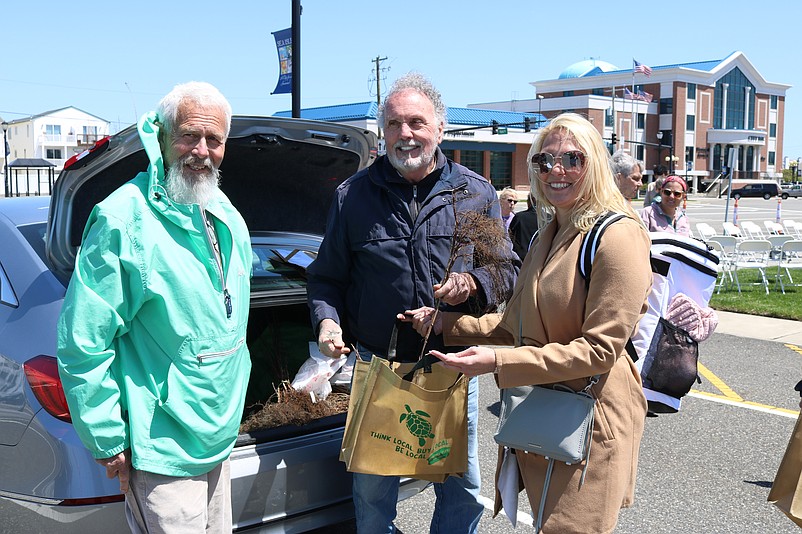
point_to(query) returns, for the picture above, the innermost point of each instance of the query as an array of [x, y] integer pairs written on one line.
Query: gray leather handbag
[[555, 423]]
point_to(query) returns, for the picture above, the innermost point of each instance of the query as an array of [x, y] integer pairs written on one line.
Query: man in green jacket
[[151, 346]]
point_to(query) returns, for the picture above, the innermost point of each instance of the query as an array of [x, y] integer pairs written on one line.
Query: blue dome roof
[[587, 66]]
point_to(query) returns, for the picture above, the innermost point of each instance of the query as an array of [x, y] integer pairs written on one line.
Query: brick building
[[687, 116]]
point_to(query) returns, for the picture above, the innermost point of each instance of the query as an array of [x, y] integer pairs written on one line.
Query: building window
[[641, 121], [598, 91], [53, 129], [772, 157], [639, 152], [53, 153], [688, 157], [448, 152], [736, 102], [501, 169], [690, 123], [773, 101], [691, 91], [568, 93], [608, 118], [474, 160], [666, 106], [772, 130]]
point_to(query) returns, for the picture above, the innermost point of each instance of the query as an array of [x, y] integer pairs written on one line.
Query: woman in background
[[668, 215]]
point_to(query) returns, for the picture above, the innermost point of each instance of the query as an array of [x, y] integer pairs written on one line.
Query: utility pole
[[377, 60], [296, 58]]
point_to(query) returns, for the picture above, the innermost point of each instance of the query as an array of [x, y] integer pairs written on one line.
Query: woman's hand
[[473, 361], [421, 318]]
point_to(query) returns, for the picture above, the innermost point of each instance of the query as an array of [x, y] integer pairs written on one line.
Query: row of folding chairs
[[752, 230], [761, 254]]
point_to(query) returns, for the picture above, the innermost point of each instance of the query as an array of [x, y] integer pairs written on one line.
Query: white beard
[[408, 164], [185, 189]]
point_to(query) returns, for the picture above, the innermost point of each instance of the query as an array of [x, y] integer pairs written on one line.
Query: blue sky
[[116, 60]]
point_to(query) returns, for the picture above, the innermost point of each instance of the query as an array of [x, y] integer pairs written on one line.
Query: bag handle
[[424, 363]]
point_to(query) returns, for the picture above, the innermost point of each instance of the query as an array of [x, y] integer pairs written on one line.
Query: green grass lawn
[[753, 299]]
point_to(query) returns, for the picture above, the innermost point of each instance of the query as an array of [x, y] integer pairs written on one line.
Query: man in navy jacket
[[387, 243]]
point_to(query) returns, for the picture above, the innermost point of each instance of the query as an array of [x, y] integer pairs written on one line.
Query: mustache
[[193, 161]]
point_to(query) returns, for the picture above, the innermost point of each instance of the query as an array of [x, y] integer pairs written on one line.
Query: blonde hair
[[598, 192], [508, 191]]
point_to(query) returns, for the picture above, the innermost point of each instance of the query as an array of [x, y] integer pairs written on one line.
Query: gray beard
[[184, 189]]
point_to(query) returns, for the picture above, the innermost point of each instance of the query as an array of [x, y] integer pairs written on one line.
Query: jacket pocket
[[602, 424]]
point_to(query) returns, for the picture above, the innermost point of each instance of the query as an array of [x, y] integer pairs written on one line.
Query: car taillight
[[96, 149], [42, 374]]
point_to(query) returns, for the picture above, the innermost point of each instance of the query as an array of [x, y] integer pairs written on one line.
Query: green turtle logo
[[417, 425]]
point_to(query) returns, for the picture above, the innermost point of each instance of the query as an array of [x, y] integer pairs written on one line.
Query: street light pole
[[5, 159], [539, 106]]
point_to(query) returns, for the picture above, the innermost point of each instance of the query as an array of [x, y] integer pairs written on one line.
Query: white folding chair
[[773, 228], [777, 242], [752, 230], [732, 229], [705, 231], [790, 258], [793, 228], [725, 259], [752, 254]]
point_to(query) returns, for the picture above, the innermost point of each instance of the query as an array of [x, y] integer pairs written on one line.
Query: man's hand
[[421, 318], [456, 289], [118, 466], [330, 339]]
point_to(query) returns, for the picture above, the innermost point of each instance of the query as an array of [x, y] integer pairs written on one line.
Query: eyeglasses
[[544, 162], [668, 193], [511, 200]]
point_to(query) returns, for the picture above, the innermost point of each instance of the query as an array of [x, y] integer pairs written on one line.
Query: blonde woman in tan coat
[[570, 332]]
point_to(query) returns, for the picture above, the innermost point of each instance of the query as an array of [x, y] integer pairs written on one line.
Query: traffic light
[[494, 126], [527, 124], [613, 139]]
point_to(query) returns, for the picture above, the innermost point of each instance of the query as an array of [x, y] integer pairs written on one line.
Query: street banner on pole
[[284, 47]]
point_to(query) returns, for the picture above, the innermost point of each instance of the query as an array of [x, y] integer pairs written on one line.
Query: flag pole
[[632, 124], [614, 112]]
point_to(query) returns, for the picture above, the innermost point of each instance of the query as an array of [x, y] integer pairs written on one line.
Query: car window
[[279, 267], [34, 234]]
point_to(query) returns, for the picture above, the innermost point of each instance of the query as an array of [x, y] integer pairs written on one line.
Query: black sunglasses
[[544, 162], [668, 193]]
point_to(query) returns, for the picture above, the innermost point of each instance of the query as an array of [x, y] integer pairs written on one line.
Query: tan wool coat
[[569, 334]]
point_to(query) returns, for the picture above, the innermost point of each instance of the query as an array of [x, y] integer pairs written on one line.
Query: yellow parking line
[[719, 384], [765, 408], [730, 397], [794, 348]]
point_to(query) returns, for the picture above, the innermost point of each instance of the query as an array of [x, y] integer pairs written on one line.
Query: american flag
[[643, 69]]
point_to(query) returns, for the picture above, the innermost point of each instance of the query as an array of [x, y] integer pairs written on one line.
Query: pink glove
[[685, 313]]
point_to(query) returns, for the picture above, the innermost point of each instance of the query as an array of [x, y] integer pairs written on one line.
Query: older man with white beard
[[387, 242], [152, 349]]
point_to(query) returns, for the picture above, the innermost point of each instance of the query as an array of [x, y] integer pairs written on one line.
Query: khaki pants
[[159, 504]]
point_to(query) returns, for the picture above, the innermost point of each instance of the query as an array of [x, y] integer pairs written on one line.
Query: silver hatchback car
[[281, 175]]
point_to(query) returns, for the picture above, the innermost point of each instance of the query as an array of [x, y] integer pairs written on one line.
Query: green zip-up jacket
[[151, 338]]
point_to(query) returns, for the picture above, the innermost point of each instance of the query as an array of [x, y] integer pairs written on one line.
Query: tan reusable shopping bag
[[397, 427]]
